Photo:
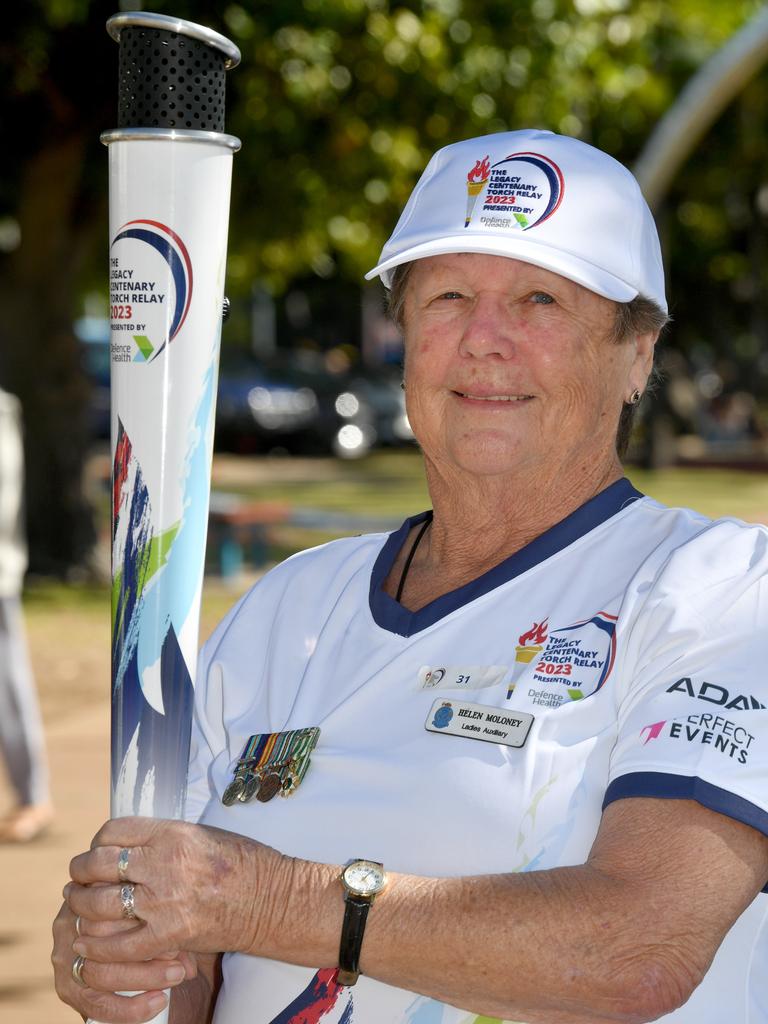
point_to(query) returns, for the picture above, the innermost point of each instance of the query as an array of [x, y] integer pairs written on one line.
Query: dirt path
[[69, 642]]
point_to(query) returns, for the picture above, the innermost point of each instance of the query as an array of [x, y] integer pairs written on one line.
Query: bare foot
[[25, 823]]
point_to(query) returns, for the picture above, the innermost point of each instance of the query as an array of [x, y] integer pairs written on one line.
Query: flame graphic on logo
[[480, 172], [537, 634], [476, 178]]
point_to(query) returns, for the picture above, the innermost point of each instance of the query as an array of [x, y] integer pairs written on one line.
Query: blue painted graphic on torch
[[156, 580]]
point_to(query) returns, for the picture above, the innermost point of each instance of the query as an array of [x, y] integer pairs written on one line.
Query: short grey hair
[[638, 316]]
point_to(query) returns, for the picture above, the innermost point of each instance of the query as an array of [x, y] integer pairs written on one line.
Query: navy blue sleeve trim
[[687, 787]]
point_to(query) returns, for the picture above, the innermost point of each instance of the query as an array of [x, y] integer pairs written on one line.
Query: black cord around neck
[[417, 540]]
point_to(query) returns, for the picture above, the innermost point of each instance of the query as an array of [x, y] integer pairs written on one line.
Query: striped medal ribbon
[[271, 763]]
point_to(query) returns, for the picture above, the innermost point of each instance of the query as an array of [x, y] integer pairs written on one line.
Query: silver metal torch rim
[[145, 19], [170, 135]]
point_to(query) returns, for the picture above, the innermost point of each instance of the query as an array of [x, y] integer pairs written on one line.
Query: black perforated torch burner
[[171, 72]]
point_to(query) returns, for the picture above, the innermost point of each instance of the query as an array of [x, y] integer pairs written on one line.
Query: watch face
[[364, 877]]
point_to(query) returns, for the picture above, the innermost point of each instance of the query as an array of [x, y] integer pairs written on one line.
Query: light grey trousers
[[22, 742]]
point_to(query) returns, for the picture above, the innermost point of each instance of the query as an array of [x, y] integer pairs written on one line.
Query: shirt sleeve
[[693, 722]]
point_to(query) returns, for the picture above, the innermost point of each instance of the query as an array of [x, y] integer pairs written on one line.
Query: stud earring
[[635, 397]]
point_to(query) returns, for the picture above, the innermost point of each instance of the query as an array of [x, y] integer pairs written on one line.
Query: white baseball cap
[[538, 197]]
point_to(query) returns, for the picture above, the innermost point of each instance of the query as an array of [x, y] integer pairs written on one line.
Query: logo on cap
[[521, 191], [476, 178]]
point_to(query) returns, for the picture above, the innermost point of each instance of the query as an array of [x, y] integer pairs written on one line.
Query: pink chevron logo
[[654, 731]]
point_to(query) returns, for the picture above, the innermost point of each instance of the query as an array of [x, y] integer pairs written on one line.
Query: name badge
[[460, 677], [479, 722]]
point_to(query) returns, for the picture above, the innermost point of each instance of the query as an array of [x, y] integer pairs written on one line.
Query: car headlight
[[347, 405], [302, 400], [259, 399]]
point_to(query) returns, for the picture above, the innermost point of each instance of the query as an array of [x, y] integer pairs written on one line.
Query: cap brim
[[517, 247]]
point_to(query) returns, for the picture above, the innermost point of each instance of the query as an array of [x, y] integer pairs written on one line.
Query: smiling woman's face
[[510, 367]]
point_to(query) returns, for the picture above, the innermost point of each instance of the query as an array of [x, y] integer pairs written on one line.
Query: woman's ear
[[643, 361]]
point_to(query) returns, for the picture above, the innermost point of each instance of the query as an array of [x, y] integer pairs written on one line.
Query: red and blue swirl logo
[[525, 189], [167, 243]]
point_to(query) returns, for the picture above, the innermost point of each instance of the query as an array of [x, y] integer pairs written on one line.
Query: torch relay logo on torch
[[150, 286]]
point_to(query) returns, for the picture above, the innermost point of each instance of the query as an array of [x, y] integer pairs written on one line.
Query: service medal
[[271, 763], [270, 786], [233, 791], [250, 789]]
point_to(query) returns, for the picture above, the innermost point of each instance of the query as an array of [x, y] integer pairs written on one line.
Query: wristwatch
[[363, 880]]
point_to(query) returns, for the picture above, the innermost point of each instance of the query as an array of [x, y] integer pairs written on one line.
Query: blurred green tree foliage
[[339, 104]]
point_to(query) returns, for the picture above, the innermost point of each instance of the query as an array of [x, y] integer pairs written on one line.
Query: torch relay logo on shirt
[[570, 662], [150, 274], [521, 191]]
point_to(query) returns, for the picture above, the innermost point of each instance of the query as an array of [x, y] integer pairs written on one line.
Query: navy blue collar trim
[[392, 616]]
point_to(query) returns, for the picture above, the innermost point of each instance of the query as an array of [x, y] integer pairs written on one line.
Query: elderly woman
[[539, 706]]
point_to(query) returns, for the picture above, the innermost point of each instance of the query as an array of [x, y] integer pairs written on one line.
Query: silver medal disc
[[233, 791], [251, 788]]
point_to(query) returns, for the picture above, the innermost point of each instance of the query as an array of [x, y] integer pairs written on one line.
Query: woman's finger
[[189, 962], [104, 902], [93, 927], [137, 945], [109, 864], [105, 1006], [150, 975]]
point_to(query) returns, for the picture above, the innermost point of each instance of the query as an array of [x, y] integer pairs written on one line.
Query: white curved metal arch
[[699, 104]]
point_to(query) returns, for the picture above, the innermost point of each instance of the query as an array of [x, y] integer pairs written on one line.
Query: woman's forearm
[[541, 947], [624, 937]]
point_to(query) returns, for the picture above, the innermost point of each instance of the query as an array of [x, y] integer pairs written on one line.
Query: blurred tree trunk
[[57, 86], [40, 358]]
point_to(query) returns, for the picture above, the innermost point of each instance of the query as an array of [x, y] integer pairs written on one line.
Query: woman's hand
[[97, 996], [193, 888]]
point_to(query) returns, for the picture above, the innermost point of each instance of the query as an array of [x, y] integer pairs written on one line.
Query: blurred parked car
[[377, 396], [258, 409], [293, 402]]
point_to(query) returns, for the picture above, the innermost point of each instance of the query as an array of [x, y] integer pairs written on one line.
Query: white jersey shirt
[[622, 653]]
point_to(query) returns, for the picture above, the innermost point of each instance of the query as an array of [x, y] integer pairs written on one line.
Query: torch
[[170, 167]]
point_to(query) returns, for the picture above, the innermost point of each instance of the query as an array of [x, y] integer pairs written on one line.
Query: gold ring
[[77, 925], [77, 971], [127, 900], [122, 864]]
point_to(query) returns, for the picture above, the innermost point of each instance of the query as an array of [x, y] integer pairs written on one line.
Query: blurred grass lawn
[[386, 484], [393, 483]]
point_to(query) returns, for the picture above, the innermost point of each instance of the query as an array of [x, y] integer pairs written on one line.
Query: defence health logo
[[521, 191]]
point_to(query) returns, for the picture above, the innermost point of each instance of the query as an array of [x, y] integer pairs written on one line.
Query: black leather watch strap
[[355, 914]]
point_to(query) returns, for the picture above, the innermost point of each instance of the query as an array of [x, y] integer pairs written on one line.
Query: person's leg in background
[[22, 743]]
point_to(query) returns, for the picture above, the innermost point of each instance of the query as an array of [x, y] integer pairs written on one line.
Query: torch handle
[[161, 1018]]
